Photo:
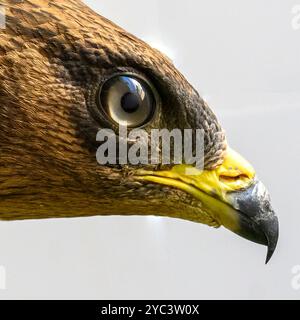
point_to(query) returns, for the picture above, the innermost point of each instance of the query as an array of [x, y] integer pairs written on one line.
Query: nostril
[[238, 177]]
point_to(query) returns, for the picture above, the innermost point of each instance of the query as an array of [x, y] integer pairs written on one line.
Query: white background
[[243, 57]]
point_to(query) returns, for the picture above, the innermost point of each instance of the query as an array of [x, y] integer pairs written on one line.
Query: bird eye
[[128, 100]]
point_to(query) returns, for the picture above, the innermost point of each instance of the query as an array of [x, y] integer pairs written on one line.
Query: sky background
[[243, 57]]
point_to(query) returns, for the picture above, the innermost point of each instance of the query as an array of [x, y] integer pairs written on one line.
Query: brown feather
[[52, 55]]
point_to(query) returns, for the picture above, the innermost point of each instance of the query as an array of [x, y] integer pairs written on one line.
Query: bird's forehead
[[71, 31]]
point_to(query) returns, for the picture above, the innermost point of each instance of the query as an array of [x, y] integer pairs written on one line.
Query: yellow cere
[[208, 185], [234, 174]]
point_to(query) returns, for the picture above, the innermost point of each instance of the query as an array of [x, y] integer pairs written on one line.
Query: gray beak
[[258, 222]]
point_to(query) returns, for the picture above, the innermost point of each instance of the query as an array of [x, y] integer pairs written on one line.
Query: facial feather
[[53, 55]]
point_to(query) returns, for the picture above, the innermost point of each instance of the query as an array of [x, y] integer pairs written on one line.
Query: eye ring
[[127, 98]]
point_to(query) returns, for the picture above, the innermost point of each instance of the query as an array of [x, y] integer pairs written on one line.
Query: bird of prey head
[[65, 73]]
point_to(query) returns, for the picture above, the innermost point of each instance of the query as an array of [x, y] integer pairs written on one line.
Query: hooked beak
[[231, 194], [257, 220]]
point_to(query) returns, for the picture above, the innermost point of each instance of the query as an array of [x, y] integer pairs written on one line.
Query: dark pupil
[[130, 102]]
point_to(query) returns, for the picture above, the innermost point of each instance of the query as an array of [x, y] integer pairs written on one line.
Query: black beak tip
[[272, 237], [269, 254]]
